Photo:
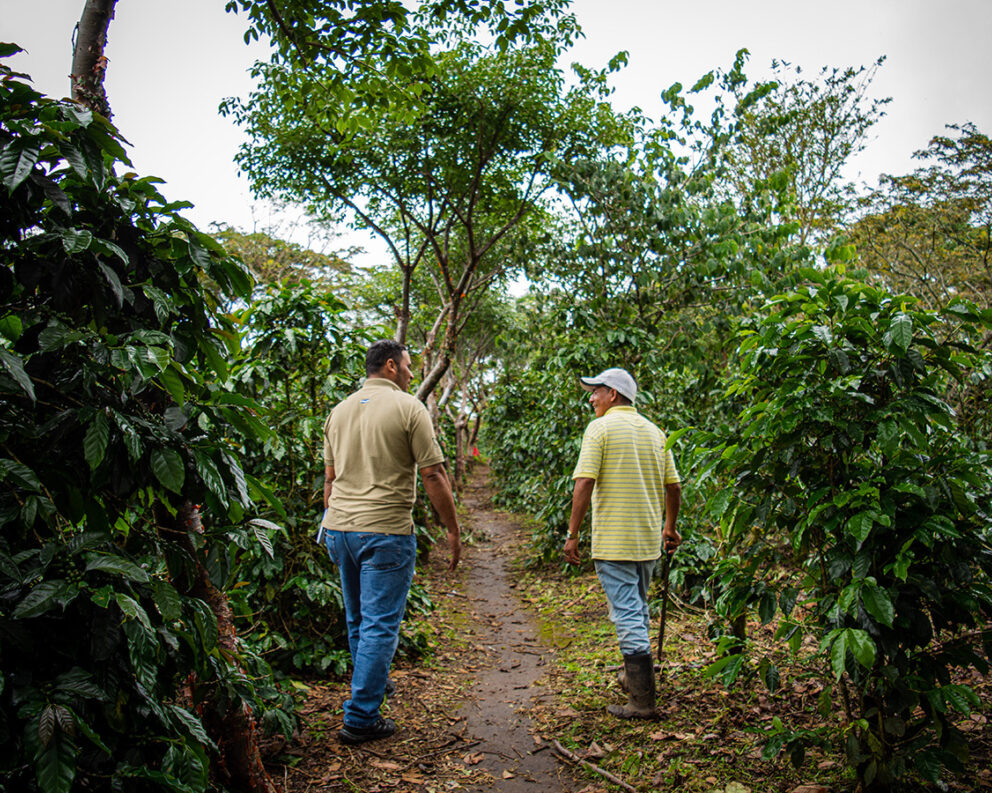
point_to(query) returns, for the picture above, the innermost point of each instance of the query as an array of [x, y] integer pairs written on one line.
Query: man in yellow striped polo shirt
[[630, 479]]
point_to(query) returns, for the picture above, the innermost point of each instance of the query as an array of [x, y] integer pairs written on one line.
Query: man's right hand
[[438, 488], [670, 540], [581, 499]]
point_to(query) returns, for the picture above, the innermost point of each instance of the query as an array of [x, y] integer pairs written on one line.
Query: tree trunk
[[473, 438], [403, 310], [89, 64], [434, 410], [461, 431], [441, 359], [233, 728]]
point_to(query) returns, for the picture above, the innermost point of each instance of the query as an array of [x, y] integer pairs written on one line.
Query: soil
[[496, 709], [463, 718]]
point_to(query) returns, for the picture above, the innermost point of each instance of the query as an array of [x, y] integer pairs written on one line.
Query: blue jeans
[[626, 587], [376, 573]]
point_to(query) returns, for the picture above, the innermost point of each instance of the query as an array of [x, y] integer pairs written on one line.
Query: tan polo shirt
[[375, 440]]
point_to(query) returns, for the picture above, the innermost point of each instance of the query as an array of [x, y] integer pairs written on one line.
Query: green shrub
[[112, 423], [849, 465]]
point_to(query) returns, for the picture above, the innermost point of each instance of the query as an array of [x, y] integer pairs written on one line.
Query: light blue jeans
[[376, 573], [626, 587]]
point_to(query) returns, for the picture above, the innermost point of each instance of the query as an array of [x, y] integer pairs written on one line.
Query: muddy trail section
[[495, 711], [463, 716]]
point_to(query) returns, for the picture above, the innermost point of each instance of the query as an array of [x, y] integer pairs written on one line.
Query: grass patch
[[709, 738]]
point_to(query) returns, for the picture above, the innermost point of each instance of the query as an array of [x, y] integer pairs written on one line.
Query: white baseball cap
[[617, 379]]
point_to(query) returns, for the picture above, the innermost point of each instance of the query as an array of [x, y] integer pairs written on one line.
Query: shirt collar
[[380, 382], [622, 409]]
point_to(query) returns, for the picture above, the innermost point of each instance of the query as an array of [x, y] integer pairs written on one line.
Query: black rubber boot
[[641, 696]]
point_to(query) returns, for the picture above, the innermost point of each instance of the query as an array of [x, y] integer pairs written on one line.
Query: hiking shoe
[[381, 728]]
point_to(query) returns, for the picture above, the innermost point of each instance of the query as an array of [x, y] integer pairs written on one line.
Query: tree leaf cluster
[[928, 234], [447, 176], [797, 134]]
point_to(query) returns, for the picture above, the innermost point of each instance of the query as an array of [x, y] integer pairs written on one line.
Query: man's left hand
[[572, 550], [670, 540]]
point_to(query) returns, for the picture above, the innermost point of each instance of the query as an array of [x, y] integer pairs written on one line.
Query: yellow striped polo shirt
[[625, 454]]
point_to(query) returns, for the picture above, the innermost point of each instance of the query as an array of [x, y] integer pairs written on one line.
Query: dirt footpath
[[496, 708], [463, 717]]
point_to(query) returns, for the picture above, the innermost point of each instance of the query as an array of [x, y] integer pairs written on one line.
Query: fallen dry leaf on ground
[[387, 765]]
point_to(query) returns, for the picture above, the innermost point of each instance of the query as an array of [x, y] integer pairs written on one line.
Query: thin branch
[[571, 756]]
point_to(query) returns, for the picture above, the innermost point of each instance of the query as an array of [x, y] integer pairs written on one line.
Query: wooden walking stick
[[665, 566]]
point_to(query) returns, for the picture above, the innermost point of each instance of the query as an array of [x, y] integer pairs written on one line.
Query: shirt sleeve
[[328, 451], [590, 455], [671, 475], [423, 444]]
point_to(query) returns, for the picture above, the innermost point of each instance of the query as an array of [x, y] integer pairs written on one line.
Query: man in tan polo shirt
[[374, 442]]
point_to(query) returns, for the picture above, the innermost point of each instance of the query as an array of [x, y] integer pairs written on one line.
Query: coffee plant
[[120, 486], [848, 465]]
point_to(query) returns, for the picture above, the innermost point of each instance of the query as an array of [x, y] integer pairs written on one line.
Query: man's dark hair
[[382, 351]]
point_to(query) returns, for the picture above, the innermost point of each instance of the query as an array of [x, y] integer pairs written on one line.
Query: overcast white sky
[[172, 62]]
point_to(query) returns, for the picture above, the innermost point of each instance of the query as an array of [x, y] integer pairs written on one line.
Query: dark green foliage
[[297, 360], [110, 420], [300, 355], [848, 464]]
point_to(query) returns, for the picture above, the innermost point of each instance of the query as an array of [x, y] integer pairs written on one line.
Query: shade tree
[[441, 178], [799, 135], [927, 233], [271, 259]]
